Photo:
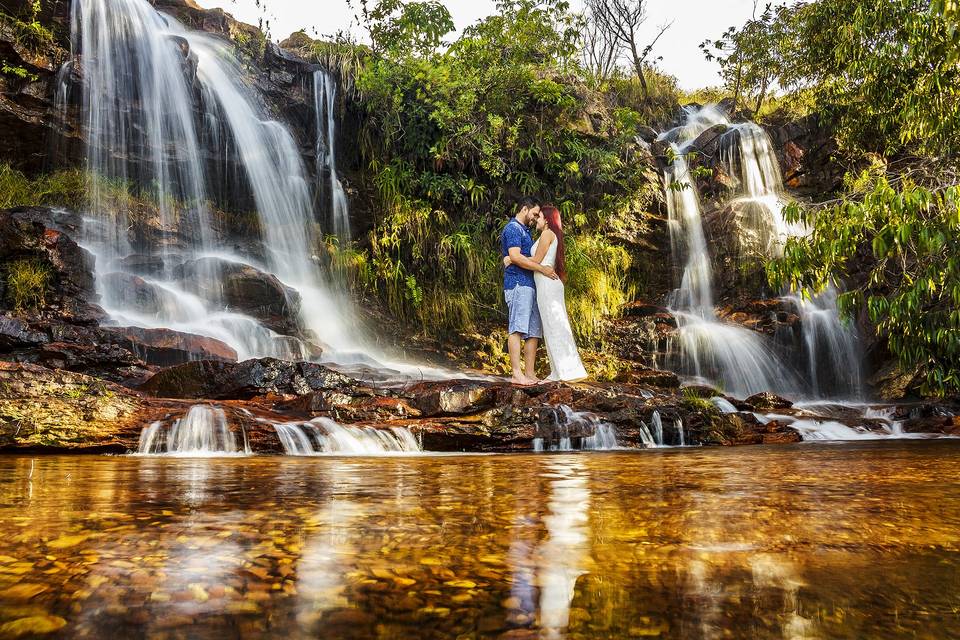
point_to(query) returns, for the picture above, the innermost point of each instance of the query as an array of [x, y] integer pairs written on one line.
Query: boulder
[[26, 236], [237, 381], [165, 347], [16, 333], [768, 401], [244, 289], [133, 292], [450, 398]]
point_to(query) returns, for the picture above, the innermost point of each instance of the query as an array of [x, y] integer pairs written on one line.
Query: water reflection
[[851, 541], [563, 556]]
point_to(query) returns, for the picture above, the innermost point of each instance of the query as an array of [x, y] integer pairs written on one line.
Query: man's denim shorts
[[523, 311]]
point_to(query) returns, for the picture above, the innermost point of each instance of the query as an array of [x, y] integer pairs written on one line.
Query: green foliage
[[754, 57], [451, 138], [27, 28], [17, 71], [399, 29], [885, 73], [27, 284], [898, 249], [692, 401]]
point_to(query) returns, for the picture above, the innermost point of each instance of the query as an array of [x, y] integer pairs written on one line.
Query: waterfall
[[571, 430], [831, 348], [743, 362], [324, 105], [657, 423], [323, 435], [165, 111], [202, 431]]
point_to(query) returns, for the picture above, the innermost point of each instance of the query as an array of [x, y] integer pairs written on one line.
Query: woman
[[561, 346]]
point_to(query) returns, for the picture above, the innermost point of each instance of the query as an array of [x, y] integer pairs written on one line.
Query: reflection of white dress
[[561, 346]]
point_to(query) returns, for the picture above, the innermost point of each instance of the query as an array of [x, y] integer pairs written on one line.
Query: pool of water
[[808, 541]]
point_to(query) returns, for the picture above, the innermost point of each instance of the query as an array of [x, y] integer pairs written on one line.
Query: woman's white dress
[[565, 363]]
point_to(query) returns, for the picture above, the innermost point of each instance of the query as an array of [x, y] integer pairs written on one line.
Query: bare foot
[[523, 381]]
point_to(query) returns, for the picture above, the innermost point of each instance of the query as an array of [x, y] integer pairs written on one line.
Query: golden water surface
[[806, 541]]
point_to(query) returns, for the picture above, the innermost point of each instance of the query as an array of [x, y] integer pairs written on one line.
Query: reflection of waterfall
[[324, 103], [563, 556], [323, 435], [202, 431]]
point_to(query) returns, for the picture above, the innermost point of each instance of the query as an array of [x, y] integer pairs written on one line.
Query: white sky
[[693, 22]]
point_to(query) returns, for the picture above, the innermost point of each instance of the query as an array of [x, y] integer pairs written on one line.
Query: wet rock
[[891, 382], [43, 408], [450, 398], [244, 289], [650, 378], [133, 292], [225, 380], [142, 264], [70, 289], [17, 333], [767, 401], [165, 347]]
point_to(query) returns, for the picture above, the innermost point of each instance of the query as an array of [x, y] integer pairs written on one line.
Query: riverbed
[[798, 541]]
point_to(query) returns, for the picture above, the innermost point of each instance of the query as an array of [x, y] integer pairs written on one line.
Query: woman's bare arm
[[546, 239]]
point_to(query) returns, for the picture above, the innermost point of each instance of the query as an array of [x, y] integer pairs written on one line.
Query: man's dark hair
[[527, 202]]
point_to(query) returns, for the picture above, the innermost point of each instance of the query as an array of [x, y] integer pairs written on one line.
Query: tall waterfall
[[740, 360], [736, 358], [144, 115], [324, 108]]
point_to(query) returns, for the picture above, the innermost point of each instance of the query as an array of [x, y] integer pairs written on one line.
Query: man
[[520, 292]]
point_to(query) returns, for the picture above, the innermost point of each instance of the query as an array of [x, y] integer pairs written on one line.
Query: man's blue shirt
[[516, 235]]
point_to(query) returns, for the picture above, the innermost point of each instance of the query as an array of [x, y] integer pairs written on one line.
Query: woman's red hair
[[552, 215]]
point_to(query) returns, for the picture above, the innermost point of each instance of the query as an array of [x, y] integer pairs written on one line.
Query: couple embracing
[[534, 291]]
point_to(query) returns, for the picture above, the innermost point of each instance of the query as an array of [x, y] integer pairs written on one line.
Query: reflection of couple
[[533, 289]]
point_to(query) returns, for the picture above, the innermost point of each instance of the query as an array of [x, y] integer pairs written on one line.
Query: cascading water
[[831, 348], [748, 154], [736, 358], [322, 435], [148, 125], [203, 431], [570, 430], [324, 106], [742, 361]]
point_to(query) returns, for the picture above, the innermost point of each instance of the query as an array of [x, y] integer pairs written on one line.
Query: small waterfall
[[831, 348], [657, 423], [683, 438], [724, 405], [324, 103], [571, 431], [203, 431], [323, 435]]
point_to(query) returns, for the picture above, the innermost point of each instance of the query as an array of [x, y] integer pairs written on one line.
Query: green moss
[[27, 284], [692, 401]]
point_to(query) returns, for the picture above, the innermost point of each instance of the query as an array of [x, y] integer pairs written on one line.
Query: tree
[[400, 28], [755, 57], [601, 50], [621, 20], [888, 76]]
